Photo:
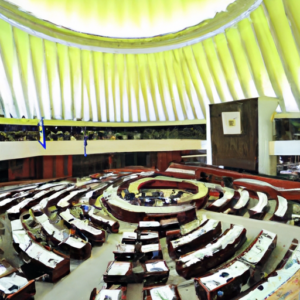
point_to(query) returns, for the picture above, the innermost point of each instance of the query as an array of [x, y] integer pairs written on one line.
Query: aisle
[[84, 276]]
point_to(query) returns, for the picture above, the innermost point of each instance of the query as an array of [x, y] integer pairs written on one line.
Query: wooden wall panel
[[40, 167], [21, 169], [57, 166], [236, 151], [165, 158], [48, 167]]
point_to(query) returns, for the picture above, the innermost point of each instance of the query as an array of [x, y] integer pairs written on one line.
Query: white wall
[[266, 112]]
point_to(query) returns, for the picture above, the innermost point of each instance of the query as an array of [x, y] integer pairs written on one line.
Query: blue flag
[[42, 133]]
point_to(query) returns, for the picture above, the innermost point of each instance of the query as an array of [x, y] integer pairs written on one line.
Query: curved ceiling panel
[[124, 18], [125, 26], [257, 57]]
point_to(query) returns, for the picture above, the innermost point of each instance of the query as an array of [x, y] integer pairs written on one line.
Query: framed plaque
[[231, 122]]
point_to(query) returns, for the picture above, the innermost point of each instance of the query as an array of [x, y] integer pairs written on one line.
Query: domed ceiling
[[103, 60], [127, 26], [124, 18]]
